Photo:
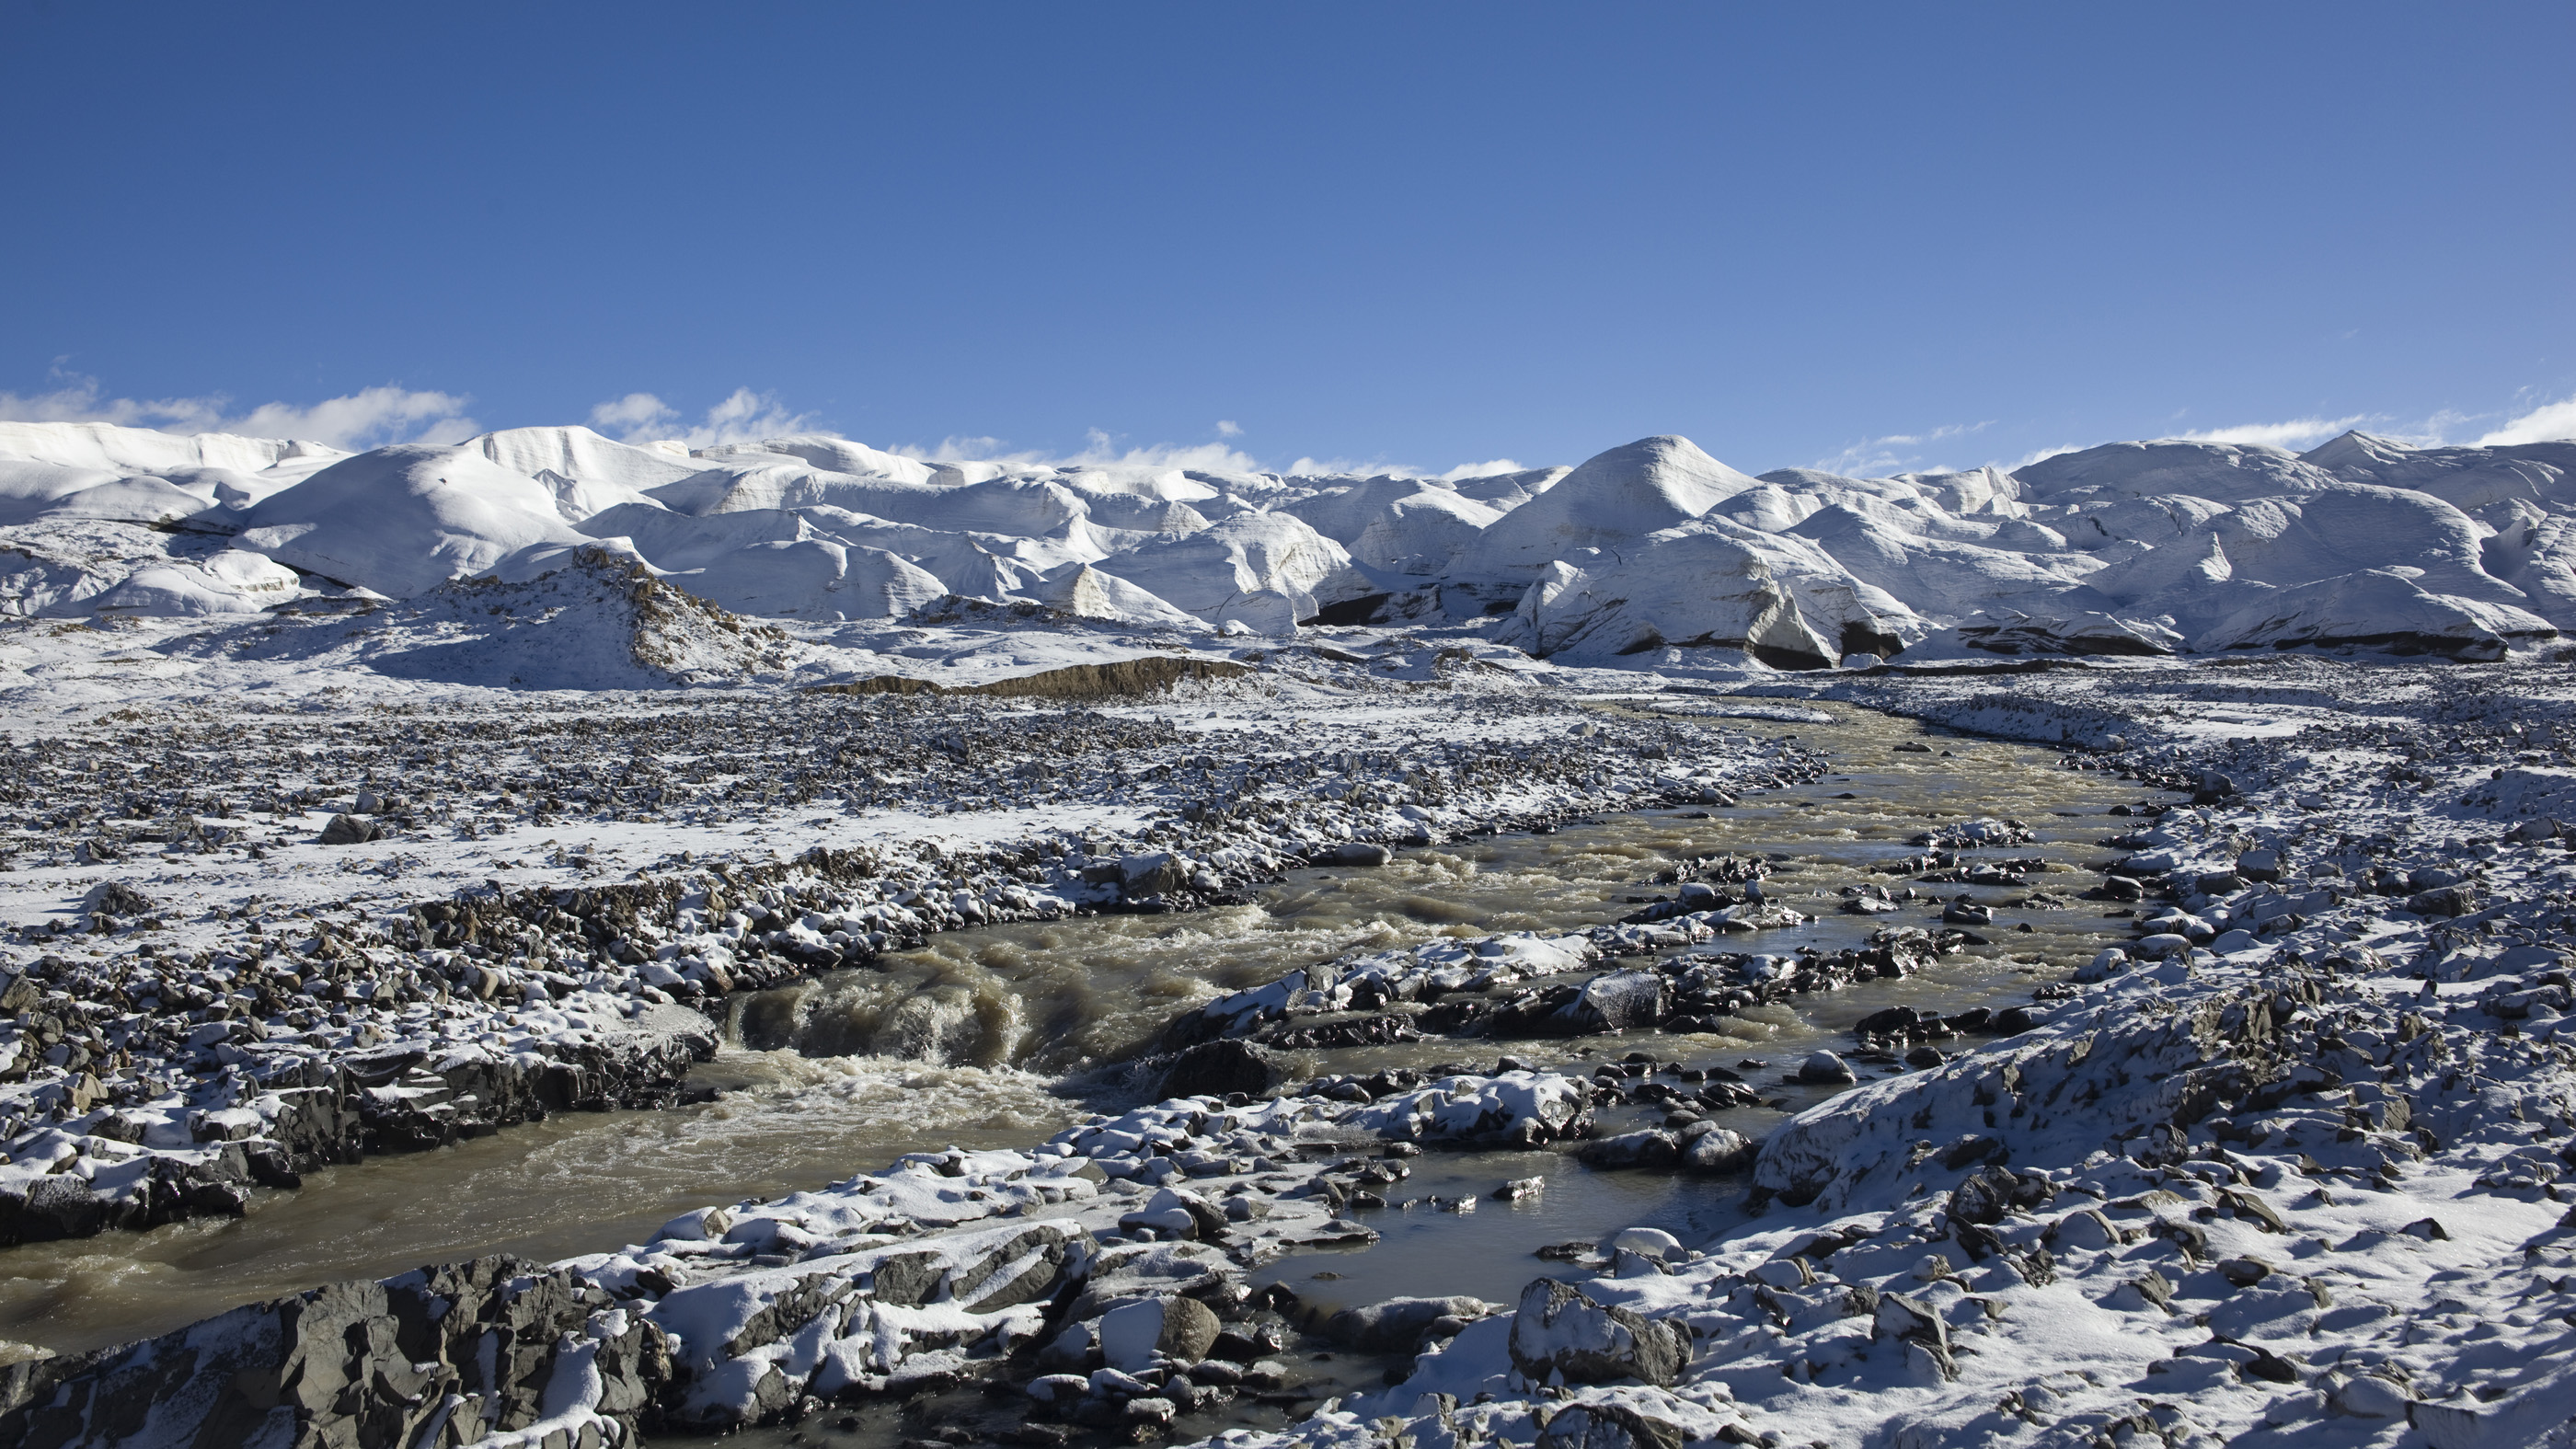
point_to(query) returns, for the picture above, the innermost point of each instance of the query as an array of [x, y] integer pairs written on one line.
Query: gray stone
[[1218, 1068], [1399, 1325], [116, 898], [2448, 900], [1619, 1001], [1650, 1148], [1719, 1150], [1561, 1332], [1189, 1329], [1824, 1069], [2244, 1272], [1155, 873], [1903, 1316], [1608, 1426], [349, 830]]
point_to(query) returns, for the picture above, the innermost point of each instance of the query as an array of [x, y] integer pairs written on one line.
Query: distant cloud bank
[[366, 419], [377, 416]]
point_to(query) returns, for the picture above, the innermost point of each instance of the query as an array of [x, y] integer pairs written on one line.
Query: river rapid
[[1000, 1036]]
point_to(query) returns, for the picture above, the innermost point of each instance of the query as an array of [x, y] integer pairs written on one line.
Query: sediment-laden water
[[1000, 1036]]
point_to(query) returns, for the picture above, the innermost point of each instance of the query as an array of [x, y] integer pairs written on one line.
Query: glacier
[[1650, 555]]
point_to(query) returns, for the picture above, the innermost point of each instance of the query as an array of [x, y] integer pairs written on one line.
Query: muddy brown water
[[997, 1037]]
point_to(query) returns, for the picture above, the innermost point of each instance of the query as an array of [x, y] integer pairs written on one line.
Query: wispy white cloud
[[1487, 469], [2433, 432], [366, 419], [1894, 453], [2298, 434], [1228, 428], [2445, 427], [1350, 467], [636, 417], [1100, 450], [1379, 467], [2547, 423], [744, 417]]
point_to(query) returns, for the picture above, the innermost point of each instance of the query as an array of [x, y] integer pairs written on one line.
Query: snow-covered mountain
[[1652, 553]]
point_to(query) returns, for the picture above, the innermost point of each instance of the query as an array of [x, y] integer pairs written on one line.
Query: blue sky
[[1866, 236]]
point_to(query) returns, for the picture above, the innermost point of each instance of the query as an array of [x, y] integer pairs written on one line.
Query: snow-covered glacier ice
[[1653, 553]]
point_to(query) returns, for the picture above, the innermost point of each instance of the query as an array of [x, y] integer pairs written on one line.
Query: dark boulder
[[1633, 1149], [1561, 1331], [350, 830], [1400, 1325], [1824, 1069], [1985, 1197], [2442, 901], [1608, 1426], [1619, 1001], [116, 898], [1219, 1068]]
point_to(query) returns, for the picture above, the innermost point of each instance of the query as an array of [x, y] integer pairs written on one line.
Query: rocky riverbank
[[1102, 1273], [182, 1044], [2287, 1165]]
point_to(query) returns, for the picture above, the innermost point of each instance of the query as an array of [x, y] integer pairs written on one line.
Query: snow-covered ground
[[2288, 1166], [2287, 1170], [360, 802]]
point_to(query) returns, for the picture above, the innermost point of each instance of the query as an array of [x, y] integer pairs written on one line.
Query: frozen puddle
[[997, 1037]]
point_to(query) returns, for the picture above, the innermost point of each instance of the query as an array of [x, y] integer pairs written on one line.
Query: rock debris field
[[367, 869]]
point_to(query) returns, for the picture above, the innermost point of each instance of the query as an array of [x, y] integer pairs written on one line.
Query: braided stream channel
[[1000, 1036]]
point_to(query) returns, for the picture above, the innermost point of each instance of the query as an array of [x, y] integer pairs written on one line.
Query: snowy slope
[[127, 451], [1615, 498], [1651, 554], [404, 520], [1411, 526]]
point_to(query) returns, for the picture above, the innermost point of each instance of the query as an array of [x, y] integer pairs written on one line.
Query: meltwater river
[[999, 1036]]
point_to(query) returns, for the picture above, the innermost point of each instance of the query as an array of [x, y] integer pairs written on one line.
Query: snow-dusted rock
[[1561, 1335], [2049, 625]]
